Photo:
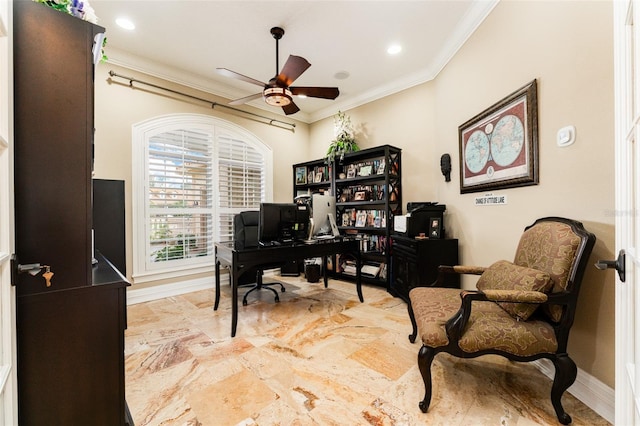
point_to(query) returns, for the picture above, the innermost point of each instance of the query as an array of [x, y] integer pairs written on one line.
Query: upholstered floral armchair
[[522, 310]]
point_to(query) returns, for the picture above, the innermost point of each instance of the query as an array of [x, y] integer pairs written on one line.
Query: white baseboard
[[589, 390], [148, 294]]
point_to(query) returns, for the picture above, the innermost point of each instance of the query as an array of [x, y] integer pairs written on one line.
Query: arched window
[[191, 175]]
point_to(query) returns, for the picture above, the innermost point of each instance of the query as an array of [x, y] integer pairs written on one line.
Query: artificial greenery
[[344, 141], [80, 9]]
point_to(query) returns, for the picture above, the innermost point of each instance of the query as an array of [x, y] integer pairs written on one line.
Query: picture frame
[[351, 171], [361, 219], [301, 175], [360, 196], [435, 228], [345, 195], [318, 178], [346, 219], [499, 146], [365, 170]]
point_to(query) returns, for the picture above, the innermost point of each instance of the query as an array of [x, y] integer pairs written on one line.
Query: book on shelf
[[365, 168], [363, 218], [349, 269], [371, 269], [374, 192], [383, 271], [345, 264]]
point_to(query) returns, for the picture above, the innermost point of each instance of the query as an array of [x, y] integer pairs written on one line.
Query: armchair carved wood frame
[[529, 321]]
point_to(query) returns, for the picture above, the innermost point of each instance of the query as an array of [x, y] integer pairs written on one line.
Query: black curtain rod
[[270, 121]]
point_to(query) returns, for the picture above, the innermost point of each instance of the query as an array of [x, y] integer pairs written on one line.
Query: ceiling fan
[[279, 92]]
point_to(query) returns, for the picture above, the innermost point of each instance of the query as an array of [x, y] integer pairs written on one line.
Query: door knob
[[617, 264]]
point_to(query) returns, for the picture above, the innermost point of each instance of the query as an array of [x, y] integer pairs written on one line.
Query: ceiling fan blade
[[292, 108], [238, 76], [246, 99], [316, 92], [292, 69]]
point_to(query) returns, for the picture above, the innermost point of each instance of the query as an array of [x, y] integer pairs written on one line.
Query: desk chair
[[245, 234]]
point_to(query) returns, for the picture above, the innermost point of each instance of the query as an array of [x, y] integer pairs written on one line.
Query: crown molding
[[476, 14], [468, 25]]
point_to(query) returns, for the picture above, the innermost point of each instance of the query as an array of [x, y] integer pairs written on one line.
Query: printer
[[418, 218]]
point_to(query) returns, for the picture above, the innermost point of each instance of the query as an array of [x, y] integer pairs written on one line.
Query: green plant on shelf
[[344, 141]]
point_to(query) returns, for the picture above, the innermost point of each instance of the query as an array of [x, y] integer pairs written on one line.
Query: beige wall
[[568, 48], [118, 107]]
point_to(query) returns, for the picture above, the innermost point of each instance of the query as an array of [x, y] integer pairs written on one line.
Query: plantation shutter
[[241, 181], [180, 196]]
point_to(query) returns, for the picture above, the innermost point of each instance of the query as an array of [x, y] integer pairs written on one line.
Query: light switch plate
[[566, 136]]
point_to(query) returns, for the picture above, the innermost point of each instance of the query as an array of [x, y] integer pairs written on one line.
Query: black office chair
[[245, 234]]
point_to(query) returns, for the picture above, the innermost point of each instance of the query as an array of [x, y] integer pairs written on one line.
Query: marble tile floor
[[319, 357]]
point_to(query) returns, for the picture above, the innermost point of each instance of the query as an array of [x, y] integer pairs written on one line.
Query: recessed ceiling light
[[341, 75], [125, 23], [394, 49]]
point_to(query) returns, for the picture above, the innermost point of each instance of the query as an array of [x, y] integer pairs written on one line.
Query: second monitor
[[323, 216]]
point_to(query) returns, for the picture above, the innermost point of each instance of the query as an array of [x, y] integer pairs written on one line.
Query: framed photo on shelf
[[381, 167], [435, 228], [318, 178], [346, 219], [365, 170], [360, 196], [345, 195], [301, 175], [351, 171], [361, 219], [499, 146]]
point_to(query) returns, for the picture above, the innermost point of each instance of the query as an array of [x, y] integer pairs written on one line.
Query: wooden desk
[[240, 260]]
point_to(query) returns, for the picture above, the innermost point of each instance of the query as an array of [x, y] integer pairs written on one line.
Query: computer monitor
[[282, 222], [323, 212]]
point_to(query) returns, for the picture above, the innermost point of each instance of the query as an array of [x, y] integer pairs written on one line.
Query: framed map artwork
[[499, 146]]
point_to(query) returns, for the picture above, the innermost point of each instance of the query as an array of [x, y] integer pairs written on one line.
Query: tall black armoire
[[70, 334]]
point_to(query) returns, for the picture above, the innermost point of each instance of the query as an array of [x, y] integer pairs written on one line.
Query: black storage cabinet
[[414, 263], [70, 335]]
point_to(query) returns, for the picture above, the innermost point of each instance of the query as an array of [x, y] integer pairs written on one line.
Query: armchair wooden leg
[[566, 372], [425, 358], [414, 333]]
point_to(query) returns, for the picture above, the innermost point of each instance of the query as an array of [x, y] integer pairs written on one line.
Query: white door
[[627, 136], [8, 383]]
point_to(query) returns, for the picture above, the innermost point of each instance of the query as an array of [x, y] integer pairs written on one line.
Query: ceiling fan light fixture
[[277, 96]]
